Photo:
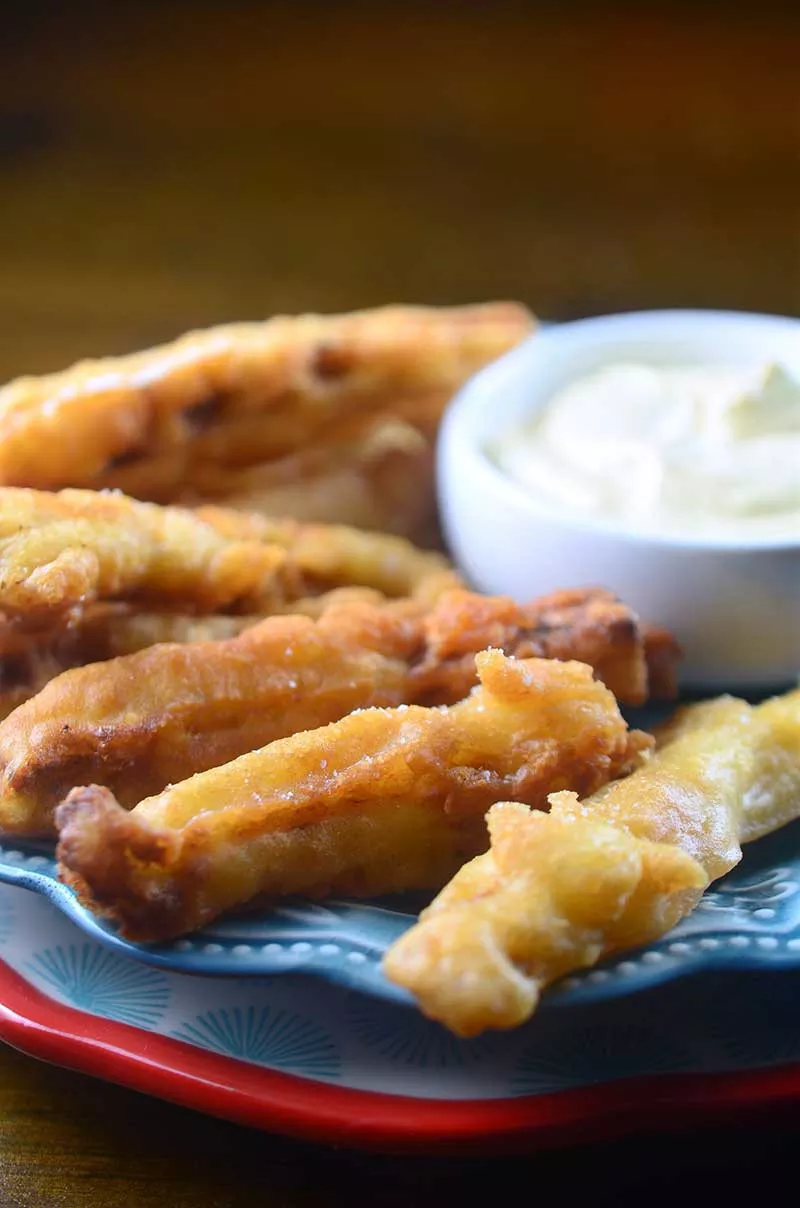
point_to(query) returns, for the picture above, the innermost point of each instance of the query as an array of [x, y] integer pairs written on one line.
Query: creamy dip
[[698, 450]]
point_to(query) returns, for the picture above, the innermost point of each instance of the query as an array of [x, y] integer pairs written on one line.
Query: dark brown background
[[175, 164]]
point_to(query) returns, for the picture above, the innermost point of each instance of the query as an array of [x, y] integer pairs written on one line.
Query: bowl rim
[[460, 427]]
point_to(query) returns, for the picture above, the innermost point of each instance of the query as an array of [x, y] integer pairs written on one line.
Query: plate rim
[[707, 952], [306, 1109]]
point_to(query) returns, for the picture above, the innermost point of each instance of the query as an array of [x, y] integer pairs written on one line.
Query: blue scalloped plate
[[307, 1057], [749, 921]]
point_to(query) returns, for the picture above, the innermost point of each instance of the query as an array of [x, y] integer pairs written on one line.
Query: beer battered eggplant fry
[[589, 625], [139, 723], [254, 445], [60, 550], [180, 402], [28, 662], [157, 717], [334, 555], [557, 892], [381, 480], [109, 631], [383, 800]]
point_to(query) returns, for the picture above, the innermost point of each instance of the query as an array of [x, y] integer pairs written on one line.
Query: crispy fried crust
[[334, 555], [99, 632], [381, 801], [589, 625], [138, 723], [109, 631], [60, 550], [28, 662], [239, 394], [558, 891], [156, 717]]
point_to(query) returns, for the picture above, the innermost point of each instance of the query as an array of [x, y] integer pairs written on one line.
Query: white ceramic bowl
[[734, 605]]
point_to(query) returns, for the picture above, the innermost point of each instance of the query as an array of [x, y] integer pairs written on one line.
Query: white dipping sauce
[[696, 450]]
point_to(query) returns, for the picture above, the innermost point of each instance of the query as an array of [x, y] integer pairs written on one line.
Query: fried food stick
[[335, 555], [254, 446], [30, 661], [109, 631], [590, 625], [100, 632], [139, 723], [60, 550], [383, 479], [97, 632], [557, 892], [381, 801], [184, 400]]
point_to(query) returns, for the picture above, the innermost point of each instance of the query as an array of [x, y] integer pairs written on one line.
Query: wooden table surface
[[175, 164]]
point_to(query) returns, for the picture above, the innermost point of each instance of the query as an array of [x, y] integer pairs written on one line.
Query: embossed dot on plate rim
[[242, 949], [357, 958], [626, 968], [301, 946], [767, 942]]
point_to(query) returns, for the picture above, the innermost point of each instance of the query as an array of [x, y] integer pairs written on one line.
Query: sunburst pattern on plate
[[265, 1037], [724, 1020], [104, 984]]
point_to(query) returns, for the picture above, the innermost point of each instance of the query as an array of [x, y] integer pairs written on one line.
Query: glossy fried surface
[[558, 891], [238, 394], [336, 555], [59, 550], [139, 723], [589, 625], [381, 801], [65, 549], [98, 632]]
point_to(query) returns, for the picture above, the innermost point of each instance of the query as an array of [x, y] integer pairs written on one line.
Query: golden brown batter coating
[[139, 723], [558, 891], [239, 394], [381, 801], [59, 550]]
